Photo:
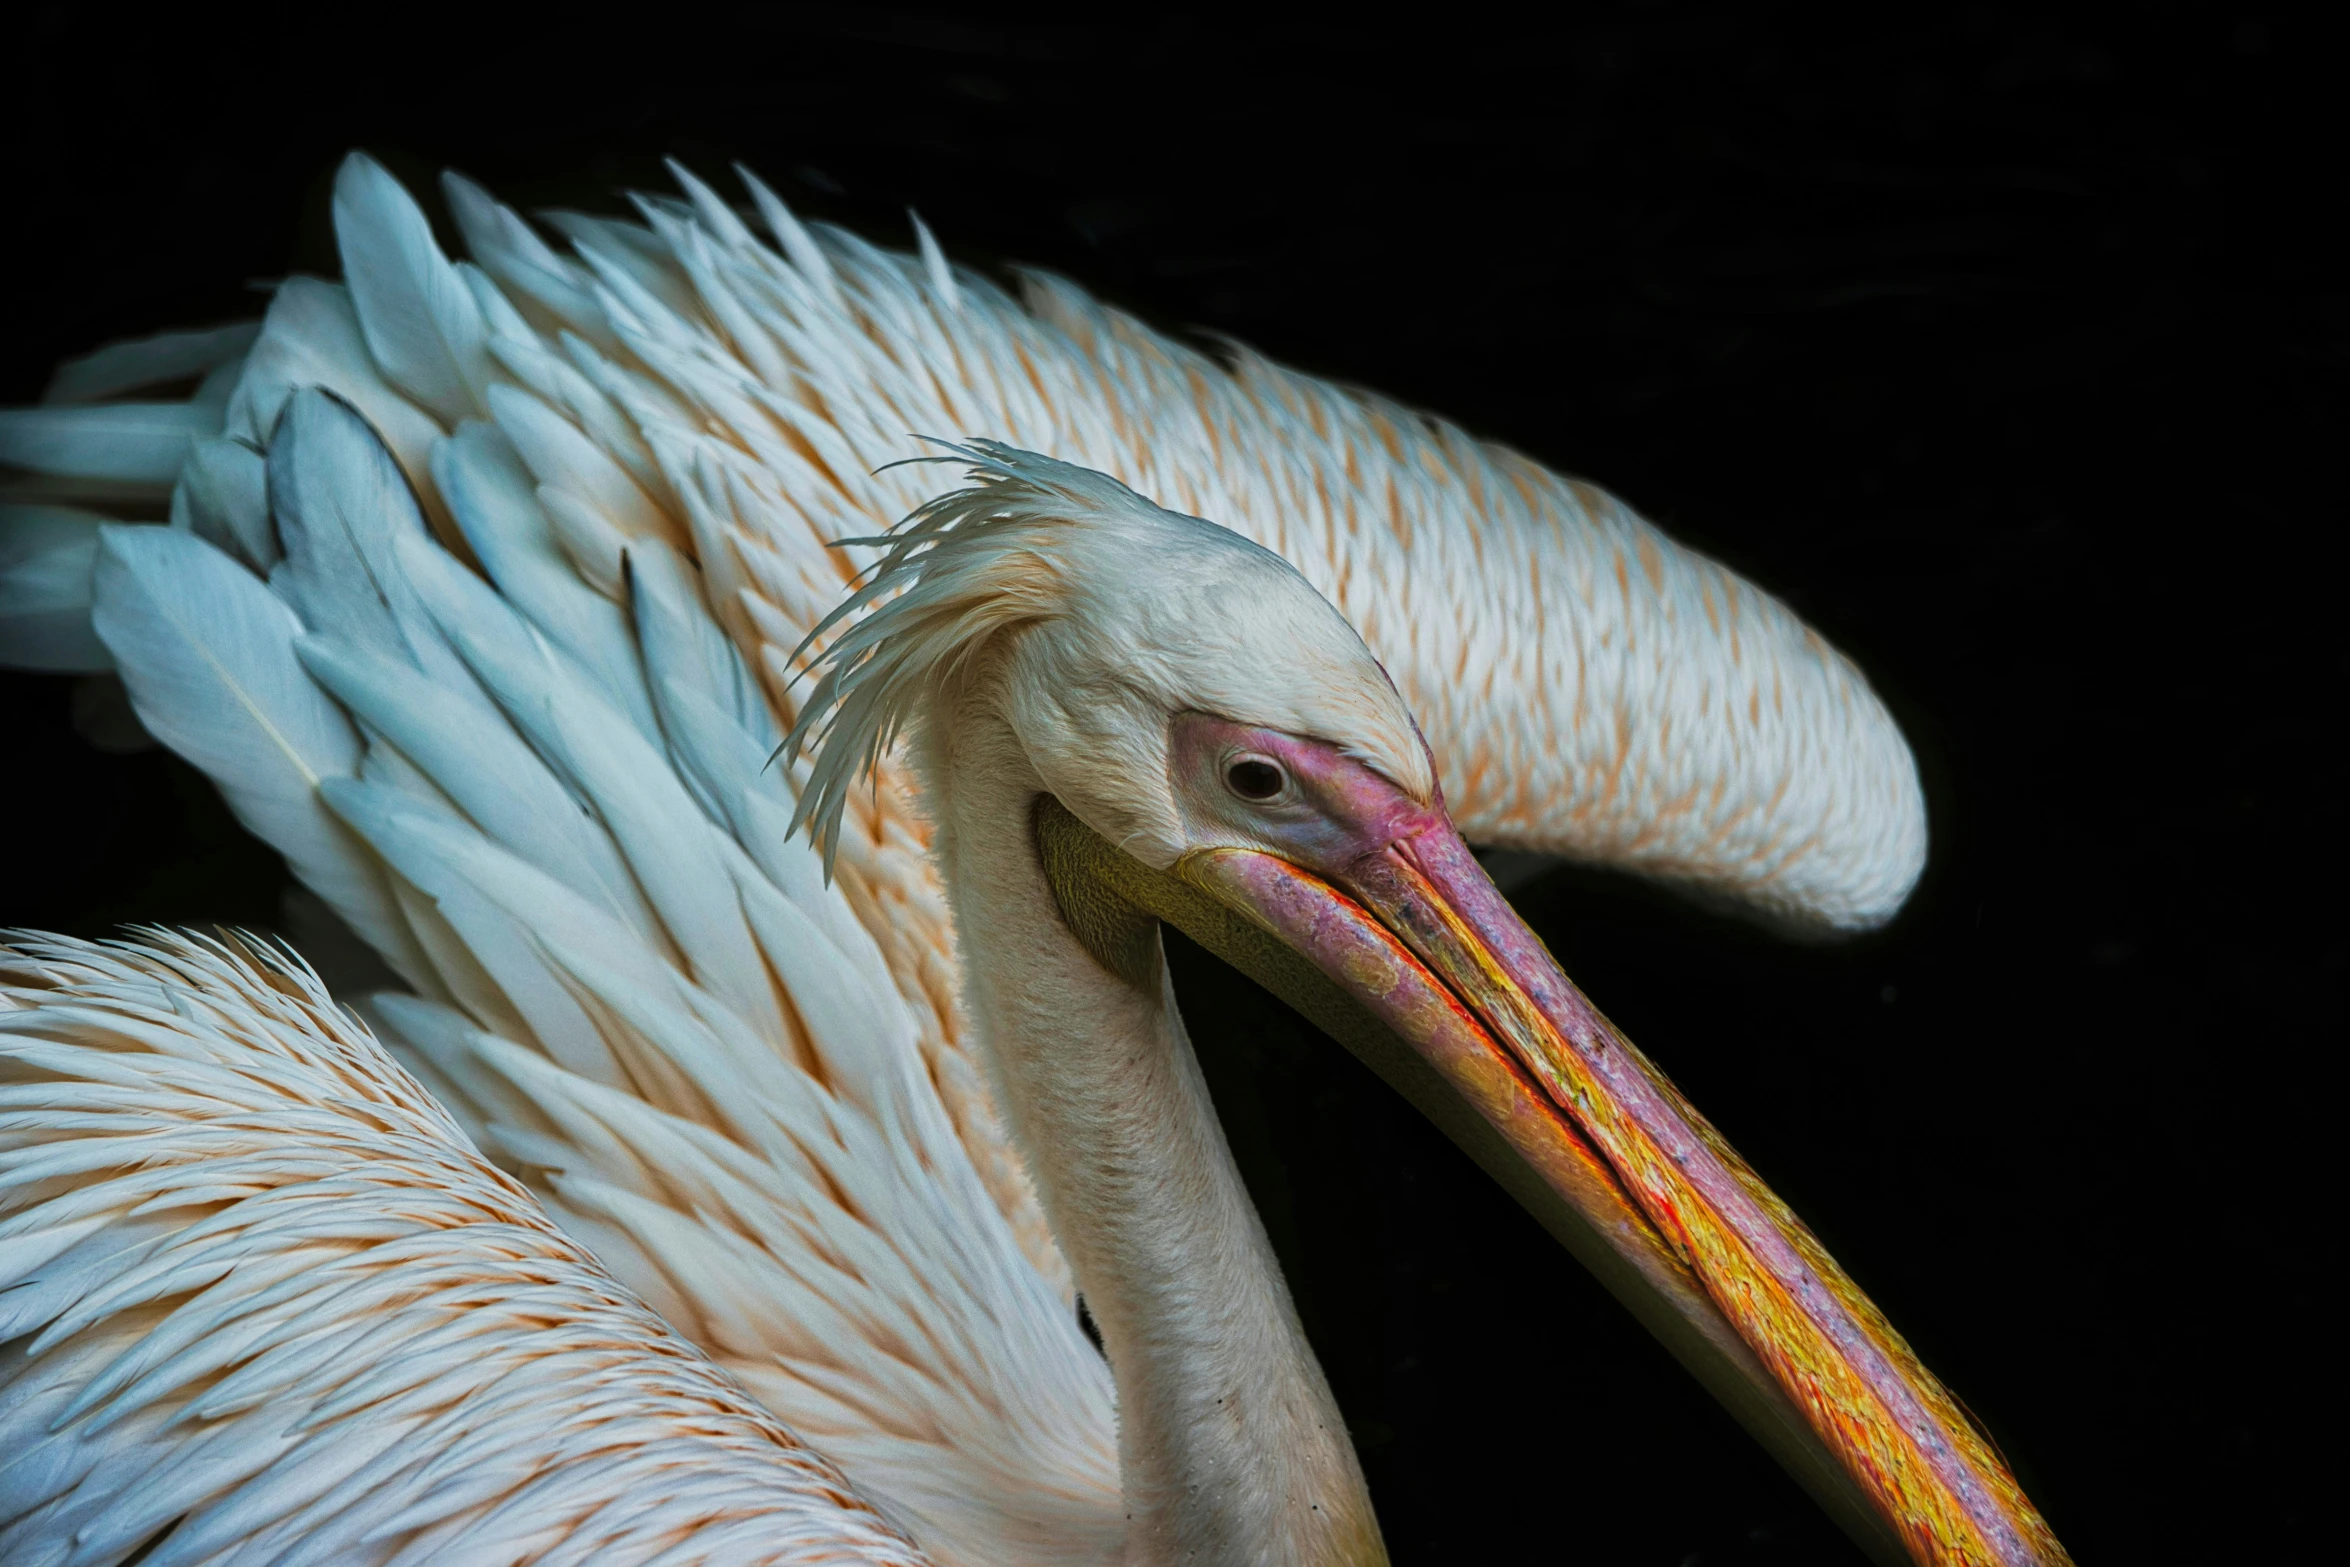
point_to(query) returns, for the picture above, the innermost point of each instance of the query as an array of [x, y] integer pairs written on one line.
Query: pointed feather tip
[[139, 362], [716, 215], [934, 261], [479, 216], [798, 244], [360, 178]]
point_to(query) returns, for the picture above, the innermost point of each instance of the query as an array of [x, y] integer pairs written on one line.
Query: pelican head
[[1169, 724], [1129, 648]]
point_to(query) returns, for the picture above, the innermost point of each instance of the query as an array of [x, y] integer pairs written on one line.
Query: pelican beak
[[1408, 955]]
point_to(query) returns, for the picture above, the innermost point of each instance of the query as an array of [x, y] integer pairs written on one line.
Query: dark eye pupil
[[1254, 780]]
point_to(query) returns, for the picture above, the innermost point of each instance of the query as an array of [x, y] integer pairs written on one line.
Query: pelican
[[715, 1183]]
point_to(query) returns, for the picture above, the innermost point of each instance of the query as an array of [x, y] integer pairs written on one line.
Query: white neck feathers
[[1231, 1446]]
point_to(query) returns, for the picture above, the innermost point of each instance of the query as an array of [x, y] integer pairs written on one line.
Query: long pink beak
[[1662, 1207]]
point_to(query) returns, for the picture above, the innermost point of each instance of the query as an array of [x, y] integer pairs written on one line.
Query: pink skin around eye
[[1352, 827], [1337, 811]]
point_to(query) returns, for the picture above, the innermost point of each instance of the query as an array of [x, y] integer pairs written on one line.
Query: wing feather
[[149, 361], [207, 654], [140, 444], [223, 497], [550, 291], [484, 769], [496, 505], [47, 555], [694, 1051], [423, 329], [343, 508], [329, 1298]]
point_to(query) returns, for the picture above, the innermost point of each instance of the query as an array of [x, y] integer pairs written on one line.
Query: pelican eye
[[1254, 778]]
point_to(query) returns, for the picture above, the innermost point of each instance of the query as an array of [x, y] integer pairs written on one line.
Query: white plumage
[[262, 1300], [676, 1030], [480, 603]]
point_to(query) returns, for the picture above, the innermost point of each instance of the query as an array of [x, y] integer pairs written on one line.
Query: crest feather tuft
[[959, 571]]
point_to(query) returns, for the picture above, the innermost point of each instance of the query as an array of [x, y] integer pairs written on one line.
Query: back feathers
[[1588, 687]]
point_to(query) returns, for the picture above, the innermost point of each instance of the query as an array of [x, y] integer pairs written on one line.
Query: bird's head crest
[[1121, 615]]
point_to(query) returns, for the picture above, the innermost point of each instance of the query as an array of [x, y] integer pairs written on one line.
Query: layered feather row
[[261, 1301], [1589, 687], [632, 985]]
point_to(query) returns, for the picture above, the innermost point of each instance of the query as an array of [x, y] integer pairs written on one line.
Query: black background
[[2009, 347]]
